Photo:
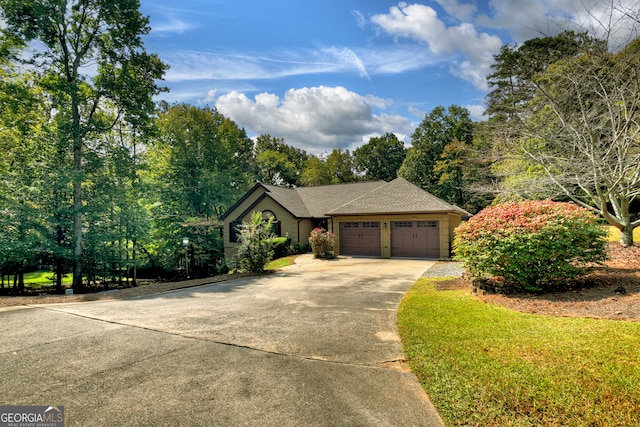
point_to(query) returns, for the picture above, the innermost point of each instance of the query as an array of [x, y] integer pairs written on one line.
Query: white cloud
[[316, 119], [201, 65], [462, 12], [174, 26], [421, 23], [526, 19], [360, 19], [476, 112], [348, 57]]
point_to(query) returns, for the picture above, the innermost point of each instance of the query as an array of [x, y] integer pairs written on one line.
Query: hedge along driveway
[[484, 365]]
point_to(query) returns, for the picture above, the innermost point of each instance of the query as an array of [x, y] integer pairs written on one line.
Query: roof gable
[[289, 199]]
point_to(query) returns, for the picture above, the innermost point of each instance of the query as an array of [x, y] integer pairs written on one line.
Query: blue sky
[[334, 73]]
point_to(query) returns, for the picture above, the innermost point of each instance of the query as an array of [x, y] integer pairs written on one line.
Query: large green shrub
[[256, 243], [531, 245]]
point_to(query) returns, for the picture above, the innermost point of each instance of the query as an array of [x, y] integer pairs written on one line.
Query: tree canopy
[[72, 35], [578, 127], [380, 158]]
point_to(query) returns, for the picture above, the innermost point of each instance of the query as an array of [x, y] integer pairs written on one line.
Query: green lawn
[[39, 279], [484, 365], [280, 262]]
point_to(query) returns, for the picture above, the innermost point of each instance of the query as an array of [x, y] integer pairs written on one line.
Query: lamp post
[[185, 243]]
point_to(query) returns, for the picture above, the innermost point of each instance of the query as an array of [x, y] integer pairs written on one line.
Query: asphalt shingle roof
[[375, 197], [397, 196]]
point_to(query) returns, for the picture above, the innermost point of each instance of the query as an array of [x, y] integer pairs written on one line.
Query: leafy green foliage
[[336, 168], [278, 163], [71, 35], [380, 158], [441, 146], [322, 243], [533, 245], [256, 243]]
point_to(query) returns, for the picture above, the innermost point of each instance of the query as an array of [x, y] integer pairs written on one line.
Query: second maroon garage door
[[415, 239], [360, 238]]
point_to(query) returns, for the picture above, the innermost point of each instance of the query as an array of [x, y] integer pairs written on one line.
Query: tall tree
[[584, 131], [341, 166], [380, 158], [514, 67], [94, 65], [512, 89], [197, 168], [278, 163], [335, 168], [24, 141], [437, 130]]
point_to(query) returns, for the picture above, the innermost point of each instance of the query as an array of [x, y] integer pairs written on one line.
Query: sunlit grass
[[39, 279], [281, 262], [484, 365]]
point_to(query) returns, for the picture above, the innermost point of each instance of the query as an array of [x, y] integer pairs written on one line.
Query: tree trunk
[[135, 266], [59, 272], [626, 237], [76, 134], [77, 219], [21, 281]]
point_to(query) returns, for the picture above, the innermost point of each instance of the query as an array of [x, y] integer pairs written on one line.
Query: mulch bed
[[610, 292]]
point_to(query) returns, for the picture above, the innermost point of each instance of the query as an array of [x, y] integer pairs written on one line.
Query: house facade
[[376, 219]]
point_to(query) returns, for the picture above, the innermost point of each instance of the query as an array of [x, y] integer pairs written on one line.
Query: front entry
[[360, 238], [415, 239]]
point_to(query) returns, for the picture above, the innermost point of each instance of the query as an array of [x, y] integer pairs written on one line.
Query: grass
[[40, 279], [281, 262], [484, 365], [614, 235]]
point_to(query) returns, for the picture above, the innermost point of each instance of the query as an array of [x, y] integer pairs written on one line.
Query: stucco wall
[[296, 230]]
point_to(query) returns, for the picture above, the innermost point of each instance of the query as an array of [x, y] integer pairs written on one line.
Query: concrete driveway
[[313, 345]]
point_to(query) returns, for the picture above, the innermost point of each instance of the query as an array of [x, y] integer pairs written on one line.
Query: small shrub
[[256, 241], [281, 247], [299, 248], [322, 243], [531, 245]]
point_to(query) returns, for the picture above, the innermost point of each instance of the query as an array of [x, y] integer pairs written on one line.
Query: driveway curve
[[311, 345]]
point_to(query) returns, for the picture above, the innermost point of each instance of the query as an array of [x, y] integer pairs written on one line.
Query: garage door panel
[[360, 238], [415, 239]]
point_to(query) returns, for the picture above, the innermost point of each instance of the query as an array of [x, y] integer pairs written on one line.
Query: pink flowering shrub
[[322, 242], [531, 245]]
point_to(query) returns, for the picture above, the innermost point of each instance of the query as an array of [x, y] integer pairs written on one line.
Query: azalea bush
[[531, 245], [322, 242]]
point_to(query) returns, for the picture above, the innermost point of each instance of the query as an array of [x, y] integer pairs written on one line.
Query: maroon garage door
[[415, 239], [360, 238]]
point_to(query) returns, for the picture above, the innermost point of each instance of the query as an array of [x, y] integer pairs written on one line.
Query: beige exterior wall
[[447, 223], [297, 230], [454, 221]]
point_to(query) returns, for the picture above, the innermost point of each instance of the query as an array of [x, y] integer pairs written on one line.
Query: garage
[[360, 238], [415, 239]]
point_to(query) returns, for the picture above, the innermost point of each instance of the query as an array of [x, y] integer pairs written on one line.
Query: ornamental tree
[[256, 243], [531, 245]]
